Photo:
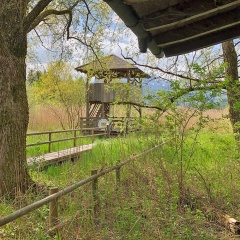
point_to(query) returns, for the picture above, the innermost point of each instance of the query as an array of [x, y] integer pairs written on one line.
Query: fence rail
[[74, 138], [55, 196], [117, 124]]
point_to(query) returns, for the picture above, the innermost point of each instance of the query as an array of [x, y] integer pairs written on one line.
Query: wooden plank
[[175, 17], [62, 155], [202, 41]]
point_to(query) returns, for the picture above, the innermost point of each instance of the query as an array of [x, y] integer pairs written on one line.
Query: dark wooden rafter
[[201, 42], [149, 5], [193, 25], [197, 29], [176, 27], [185, 13]]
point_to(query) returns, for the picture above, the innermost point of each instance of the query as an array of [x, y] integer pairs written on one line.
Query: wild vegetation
[[183, 190], [61, 93], [176, 192], [93, 26]]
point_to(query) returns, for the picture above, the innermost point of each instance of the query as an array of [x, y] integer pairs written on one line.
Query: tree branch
[[175, 96], [145, 106], [46, 13], [78, 39], [185, 91], [42, 15], [167, 72], [41, 5], [39, 37]]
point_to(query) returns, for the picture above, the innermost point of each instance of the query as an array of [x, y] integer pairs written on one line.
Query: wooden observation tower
[[116, 81]]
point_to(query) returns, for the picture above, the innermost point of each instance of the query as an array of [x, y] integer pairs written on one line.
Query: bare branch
[[87, 17], [184, 91], [78, 39], [39, 37], [213, 60], [167, 72], [146, 106], [238, 42], [175, 96]]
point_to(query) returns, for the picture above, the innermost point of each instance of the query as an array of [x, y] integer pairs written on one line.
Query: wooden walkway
[[60, 156]]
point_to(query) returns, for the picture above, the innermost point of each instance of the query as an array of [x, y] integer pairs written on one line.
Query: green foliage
[[146, 203], [57, 87]]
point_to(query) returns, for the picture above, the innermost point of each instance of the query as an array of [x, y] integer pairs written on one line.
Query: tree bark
[[14, 177], [233, 87]]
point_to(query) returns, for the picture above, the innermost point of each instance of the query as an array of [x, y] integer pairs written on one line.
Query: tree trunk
[[14, 177], [233, 87]]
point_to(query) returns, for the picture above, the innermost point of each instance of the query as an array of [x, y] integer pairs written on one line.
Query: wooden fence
[[55, 195], [116, 124], [92, 132]]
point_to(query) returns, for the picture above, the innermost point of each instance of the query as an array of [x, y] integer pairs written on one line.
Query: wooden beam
[[138, 1], [196, 30], [176, 17], [170, 14], [202, 41]]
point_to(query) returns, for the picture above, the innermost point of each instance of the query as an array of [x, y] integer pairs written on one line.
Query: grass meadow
[[174, 192]]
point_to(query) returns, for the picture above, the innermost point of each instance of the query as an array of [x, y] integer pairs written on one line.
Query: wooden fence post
[[117, 178], [108, 130], [49, 140], [94, 191], [53, 208], [74, 140], [81, 123]]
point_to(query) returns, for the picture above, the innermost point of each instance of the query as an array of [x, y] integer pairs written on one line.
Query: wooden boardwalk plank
[[62, 155]]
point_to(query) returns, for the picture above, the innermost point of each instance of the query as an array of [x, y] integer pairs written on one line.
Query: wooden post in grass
[[94, 191], [108, 130], [75, 136], [49, 142], [117, 177], [53, 208], [81, 123]]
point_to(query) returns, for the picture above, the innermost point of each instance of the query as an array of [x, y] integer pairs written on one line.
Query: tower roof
[[112, 65]]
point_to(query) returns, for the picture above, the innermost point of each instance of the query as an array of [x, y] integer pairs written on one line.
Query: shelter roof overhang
[[174, 27], [112, 66]]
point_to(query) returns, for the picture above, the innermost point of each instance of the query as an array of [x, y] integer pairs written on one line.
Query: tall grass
[[146, 203], [42, 118], [46, 118]]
